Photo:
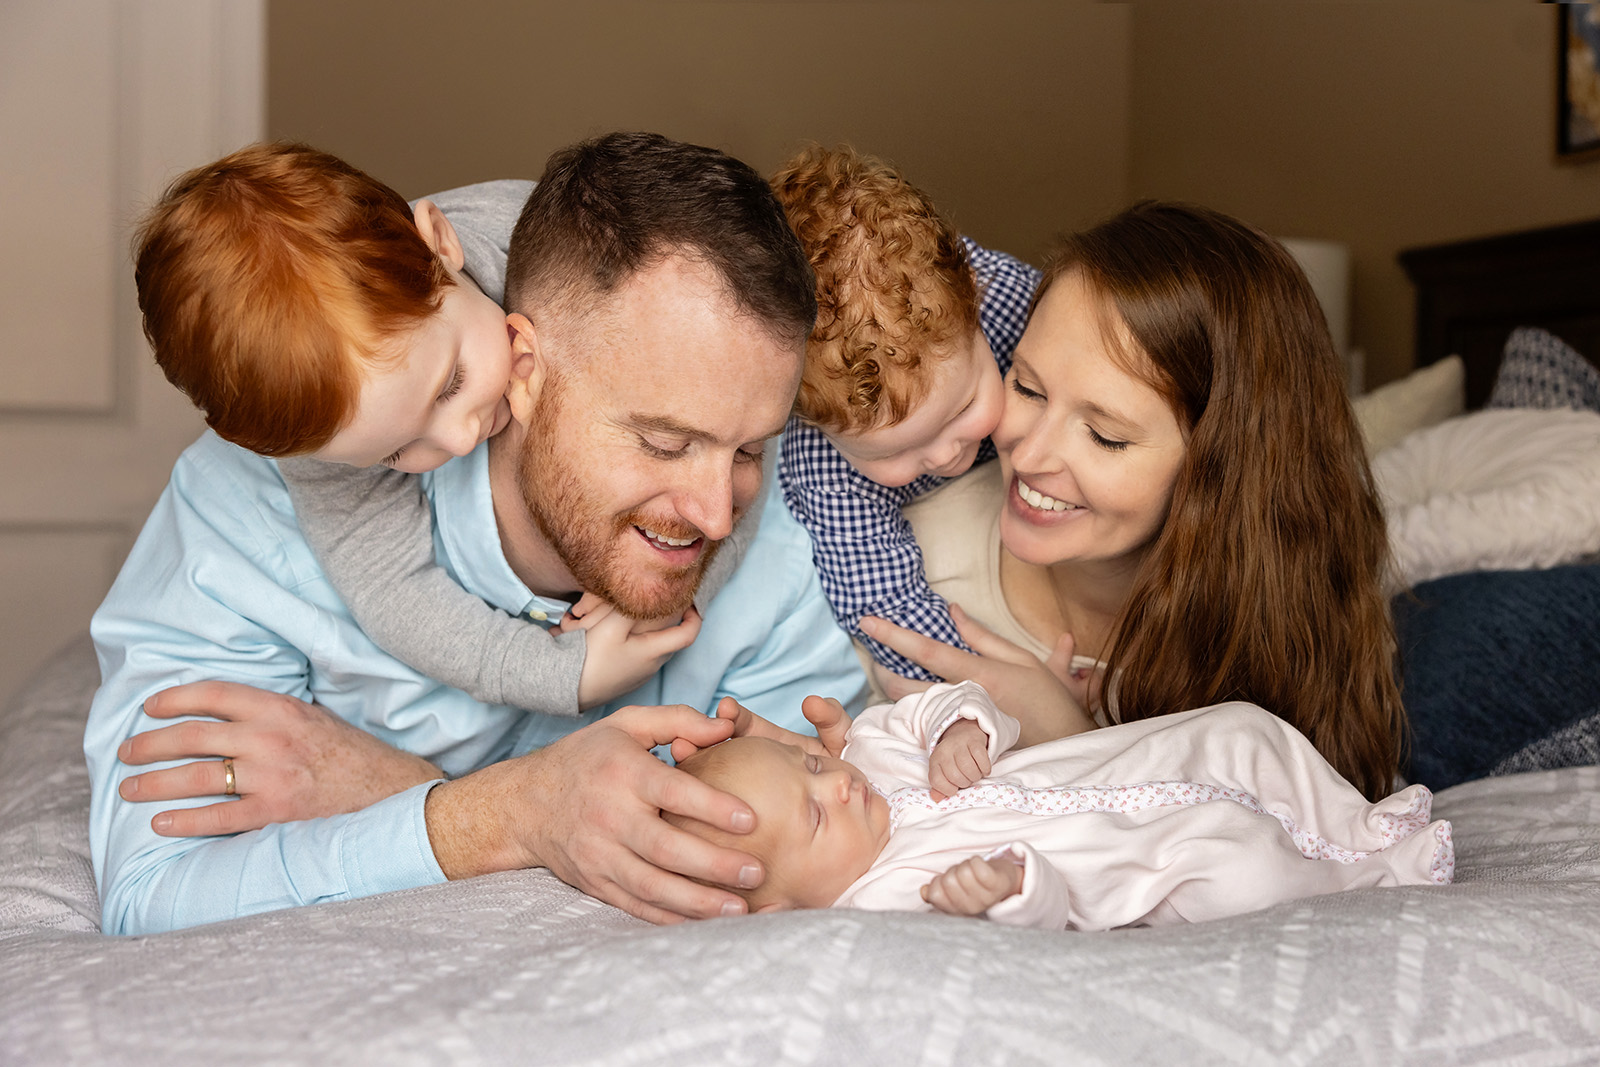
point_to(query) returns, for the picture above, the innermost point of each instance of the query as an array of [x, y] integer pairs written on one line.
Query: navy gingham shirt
[[866, 554]]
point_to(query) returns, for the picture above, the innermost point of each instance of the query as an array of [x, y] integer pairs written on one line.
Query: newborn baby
[[1185, 817]]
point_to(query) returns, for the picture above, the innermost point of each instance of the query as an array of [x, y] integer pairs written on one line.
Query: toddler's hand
[[622, 653], [975, 885], [960, 758], [578, 617], [590, 610]]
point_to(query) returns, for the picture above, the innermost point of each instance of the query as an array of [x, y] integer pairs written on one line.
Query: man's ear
[[439, 234], [528, 367]]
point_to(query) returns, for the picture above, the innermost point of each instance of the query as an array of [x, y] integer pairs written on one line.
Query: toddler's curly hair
[[894, 286]]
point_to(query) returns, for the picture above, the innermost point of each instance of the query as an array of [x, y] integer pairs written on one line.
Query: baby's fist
[[959, 759], [975, 885]]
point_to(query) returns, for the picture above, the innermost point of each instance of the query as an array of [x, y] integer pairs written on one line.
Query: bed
[[519, 968], [1472, 294]]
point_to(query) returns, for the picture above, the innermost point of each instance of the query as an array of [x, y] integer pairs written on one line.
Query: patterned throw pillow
[[1540, 370]]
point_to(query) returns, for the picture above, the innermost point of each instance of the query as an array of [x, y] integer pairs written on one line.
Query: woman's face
[[1089, 452]]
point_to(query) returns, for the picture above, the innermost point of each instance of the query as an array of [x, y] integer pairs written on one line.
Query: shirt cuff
[[385, 846]]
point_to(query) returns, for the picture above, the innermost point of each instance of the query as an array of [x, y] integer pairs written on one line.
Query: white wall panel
[[58, 126], [104, 102]]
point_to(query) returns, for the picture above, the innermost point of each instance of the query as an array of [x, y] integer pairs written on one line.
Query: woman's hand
[[291, 761], [1022, 686]]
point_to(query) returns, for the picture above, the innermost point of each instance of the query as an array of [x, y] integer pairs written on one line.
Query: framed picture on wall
[[1578, 84]]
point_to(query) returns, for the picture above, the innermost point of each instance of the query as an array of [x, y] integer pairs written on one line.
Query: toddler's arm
[[866, 553], [373, 532]]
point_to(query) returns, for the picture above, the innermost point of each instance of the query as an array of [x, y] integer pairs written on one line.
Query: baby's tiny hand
[[959, 759], [975, 885]]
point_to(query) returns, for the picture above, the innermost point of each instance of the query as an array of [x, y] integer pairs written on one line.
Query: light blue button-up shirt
[[221, 585]]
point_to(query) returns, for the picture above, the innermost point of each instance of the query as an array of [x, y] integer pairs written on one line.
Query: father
[[663, 308]]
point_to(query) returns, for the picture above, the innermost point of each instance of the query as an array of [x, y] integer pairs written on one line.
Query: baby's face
[[819, 824], [942, 434]]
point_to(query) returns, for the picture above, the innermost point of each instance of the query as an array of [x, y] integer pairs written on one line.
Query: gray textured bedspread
[[1503, 967]]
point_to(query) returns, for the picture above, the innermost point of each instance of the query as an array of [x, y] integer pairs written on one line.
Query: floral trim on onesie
[[1125, 799]]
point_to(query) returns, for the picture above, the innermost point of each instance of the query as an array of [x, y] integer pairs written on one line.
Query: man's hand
[[589, 808], [960, 758], [975, 885], [830, 720], [291, 761], [1020, 684], [622, 653]]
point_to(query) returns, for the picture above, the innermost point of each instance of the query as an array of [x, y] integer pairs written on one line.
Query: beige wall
[[1381, 124], [1012, 114]]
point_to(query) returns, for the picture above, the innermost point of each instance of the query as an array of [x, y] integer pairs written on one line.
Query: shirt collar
[[463, 514]]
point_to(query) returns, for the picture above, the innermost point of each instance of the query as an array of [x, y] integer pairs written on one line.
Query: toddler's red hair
[[269, 282]]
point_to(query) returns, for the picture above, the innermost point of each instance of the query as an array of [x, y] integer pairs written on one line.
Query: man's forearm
[[157, 884], [466, 822]]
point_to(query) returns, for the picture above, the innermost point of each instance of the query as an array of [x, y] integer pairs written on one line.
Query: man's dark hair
[[610, 207]]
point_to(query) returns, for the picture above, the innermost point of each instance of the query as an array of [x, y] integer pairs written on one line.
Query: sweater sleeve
[[484, 216], [372, 531]]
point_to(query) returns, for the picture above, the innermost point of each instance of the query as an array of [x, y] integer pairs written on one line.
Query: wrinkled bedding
[[1509, 489], [518, 968]]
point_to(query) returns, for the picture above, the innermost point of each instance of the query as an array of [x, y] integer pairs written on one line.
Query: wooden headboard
[[1472, 294]]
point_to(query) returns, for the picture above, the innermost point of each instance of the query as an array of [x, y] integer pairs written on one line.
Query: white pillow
[[1423, 398], [1507, 489]]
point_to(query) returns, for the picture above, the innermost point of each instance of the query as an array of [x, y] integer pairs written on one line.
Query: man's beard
[[591, 543]]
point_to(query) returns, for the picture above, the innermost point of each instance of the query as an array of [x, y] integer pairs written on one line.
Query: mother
[[1182, 495]]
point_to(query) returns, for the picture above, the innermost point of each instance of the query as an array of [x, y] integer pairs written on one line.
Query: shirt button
[[538, 616]]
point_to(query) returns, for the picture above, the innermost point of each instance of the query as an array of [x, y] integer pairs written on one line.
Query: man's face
[[645, 445]]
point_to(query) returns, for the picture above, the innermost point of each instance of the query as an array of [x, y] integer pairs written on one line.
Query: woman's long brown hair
[[1265, 583]]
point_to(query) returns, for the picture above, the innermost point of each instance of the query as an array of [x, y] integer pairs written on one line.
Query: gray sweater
[[372, 529]]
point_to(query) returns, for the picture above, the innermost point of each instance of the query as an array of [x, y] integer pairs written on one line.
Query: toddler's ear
[[439, 234]]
